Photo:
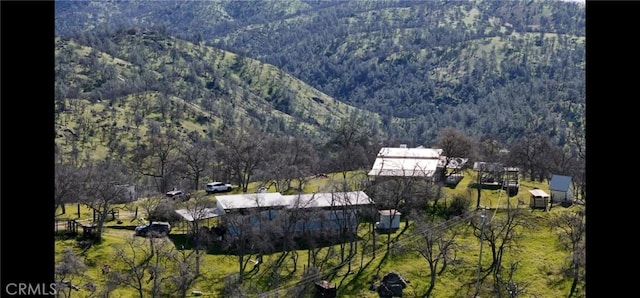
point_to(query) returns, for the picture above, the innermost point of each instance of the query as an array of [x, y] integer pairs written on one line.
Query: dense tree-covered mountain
[[491, 68]]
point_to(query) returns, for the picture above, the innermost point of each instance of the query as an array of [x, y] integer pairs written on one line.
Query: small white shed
[[389, 221], [561, 190], [539, 199]]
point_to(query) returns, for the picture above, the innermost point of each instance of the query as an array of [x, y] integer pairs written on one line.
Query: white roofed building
[[408, 162], [261, 200], [328, 200], [275, 213], [539, 199]]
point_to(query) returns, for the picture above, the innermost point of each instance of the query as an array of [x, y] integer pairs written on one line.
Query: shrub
[[165, 211], [458, 206]]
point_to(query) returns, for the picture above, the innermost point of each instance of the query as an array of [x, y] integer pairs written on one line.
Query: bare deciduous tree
[[242, 151], [530, 154], [437, 245], [134, 257], [67, 182], [501, 232], [407, 195], [186, 267], [195, 158], [454, 144], [67, 270], [157, 159], [153, 267], [241, 231], [489, 164], [102, 190], [287, 159], [350, 146], [199, 208], [149, 205], [572, 228]]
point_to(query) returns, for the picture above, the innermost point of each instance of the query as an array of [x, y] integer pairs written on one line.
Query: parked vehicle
[[179, 194], [217, 186], [154, 229]]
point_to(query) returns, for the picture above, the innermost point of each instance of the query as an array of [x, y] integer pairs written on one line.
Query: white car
[[214, 187]]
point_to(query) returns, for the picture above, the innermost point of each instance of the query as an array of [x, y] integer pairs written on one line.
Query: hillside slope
[[121, 86], [493, 68]]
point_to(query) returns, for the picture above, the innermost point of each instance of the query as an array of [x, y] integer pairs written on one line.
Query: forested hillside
[[491, 68], [119, 88]]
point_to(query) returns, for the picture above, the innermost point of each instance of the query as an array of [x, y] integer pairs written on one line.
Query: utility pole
[[484, 218]]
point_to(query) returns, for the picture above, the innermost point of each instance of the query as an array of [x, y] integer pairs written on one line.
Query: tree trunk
[[479, 189], [574, 284], [432, 282]]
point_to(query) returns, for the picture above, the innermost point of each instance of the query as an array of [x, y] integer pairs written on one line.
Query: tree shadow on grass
[[357, 283], [184, 241]]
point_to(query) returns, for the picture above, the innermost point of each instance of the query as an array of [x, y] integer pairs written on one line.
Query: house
[[243, 202], [561, 190], [539, 199], [388, 222], [301, 213], [408, 162], [327, 212]]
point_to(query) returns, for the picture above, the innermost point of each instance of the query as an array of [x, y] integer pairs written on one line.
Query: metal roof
[[399, 152], [251, 200], [488, 166], [404, 167], [329, 199], [559, 182], [539, 193], [408, 162], [198, 214]]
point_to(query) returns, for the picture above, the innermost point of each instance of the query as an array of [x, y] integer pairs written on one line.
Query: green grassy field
[[540, 259]]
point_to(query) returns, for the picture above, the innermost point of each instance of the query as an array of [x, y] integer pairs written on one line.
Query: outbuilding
[[561, 190], [388, 222], [539, 199], [408, 162]]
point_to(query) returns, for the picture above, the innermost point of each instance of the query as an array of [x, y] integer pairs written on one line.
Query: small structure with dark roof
[[391, 285], [325, 289]]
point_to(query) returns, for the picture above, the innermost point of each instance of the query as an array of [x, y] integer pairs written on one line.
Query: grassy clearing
[[540, 259]]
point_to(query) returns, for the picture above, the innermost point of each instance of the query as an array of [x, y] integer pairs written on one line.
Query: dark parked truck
[[154, 229]]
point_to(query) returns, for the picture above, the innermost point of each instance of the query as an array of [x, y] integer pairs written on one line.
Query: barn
[[408, 162]]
